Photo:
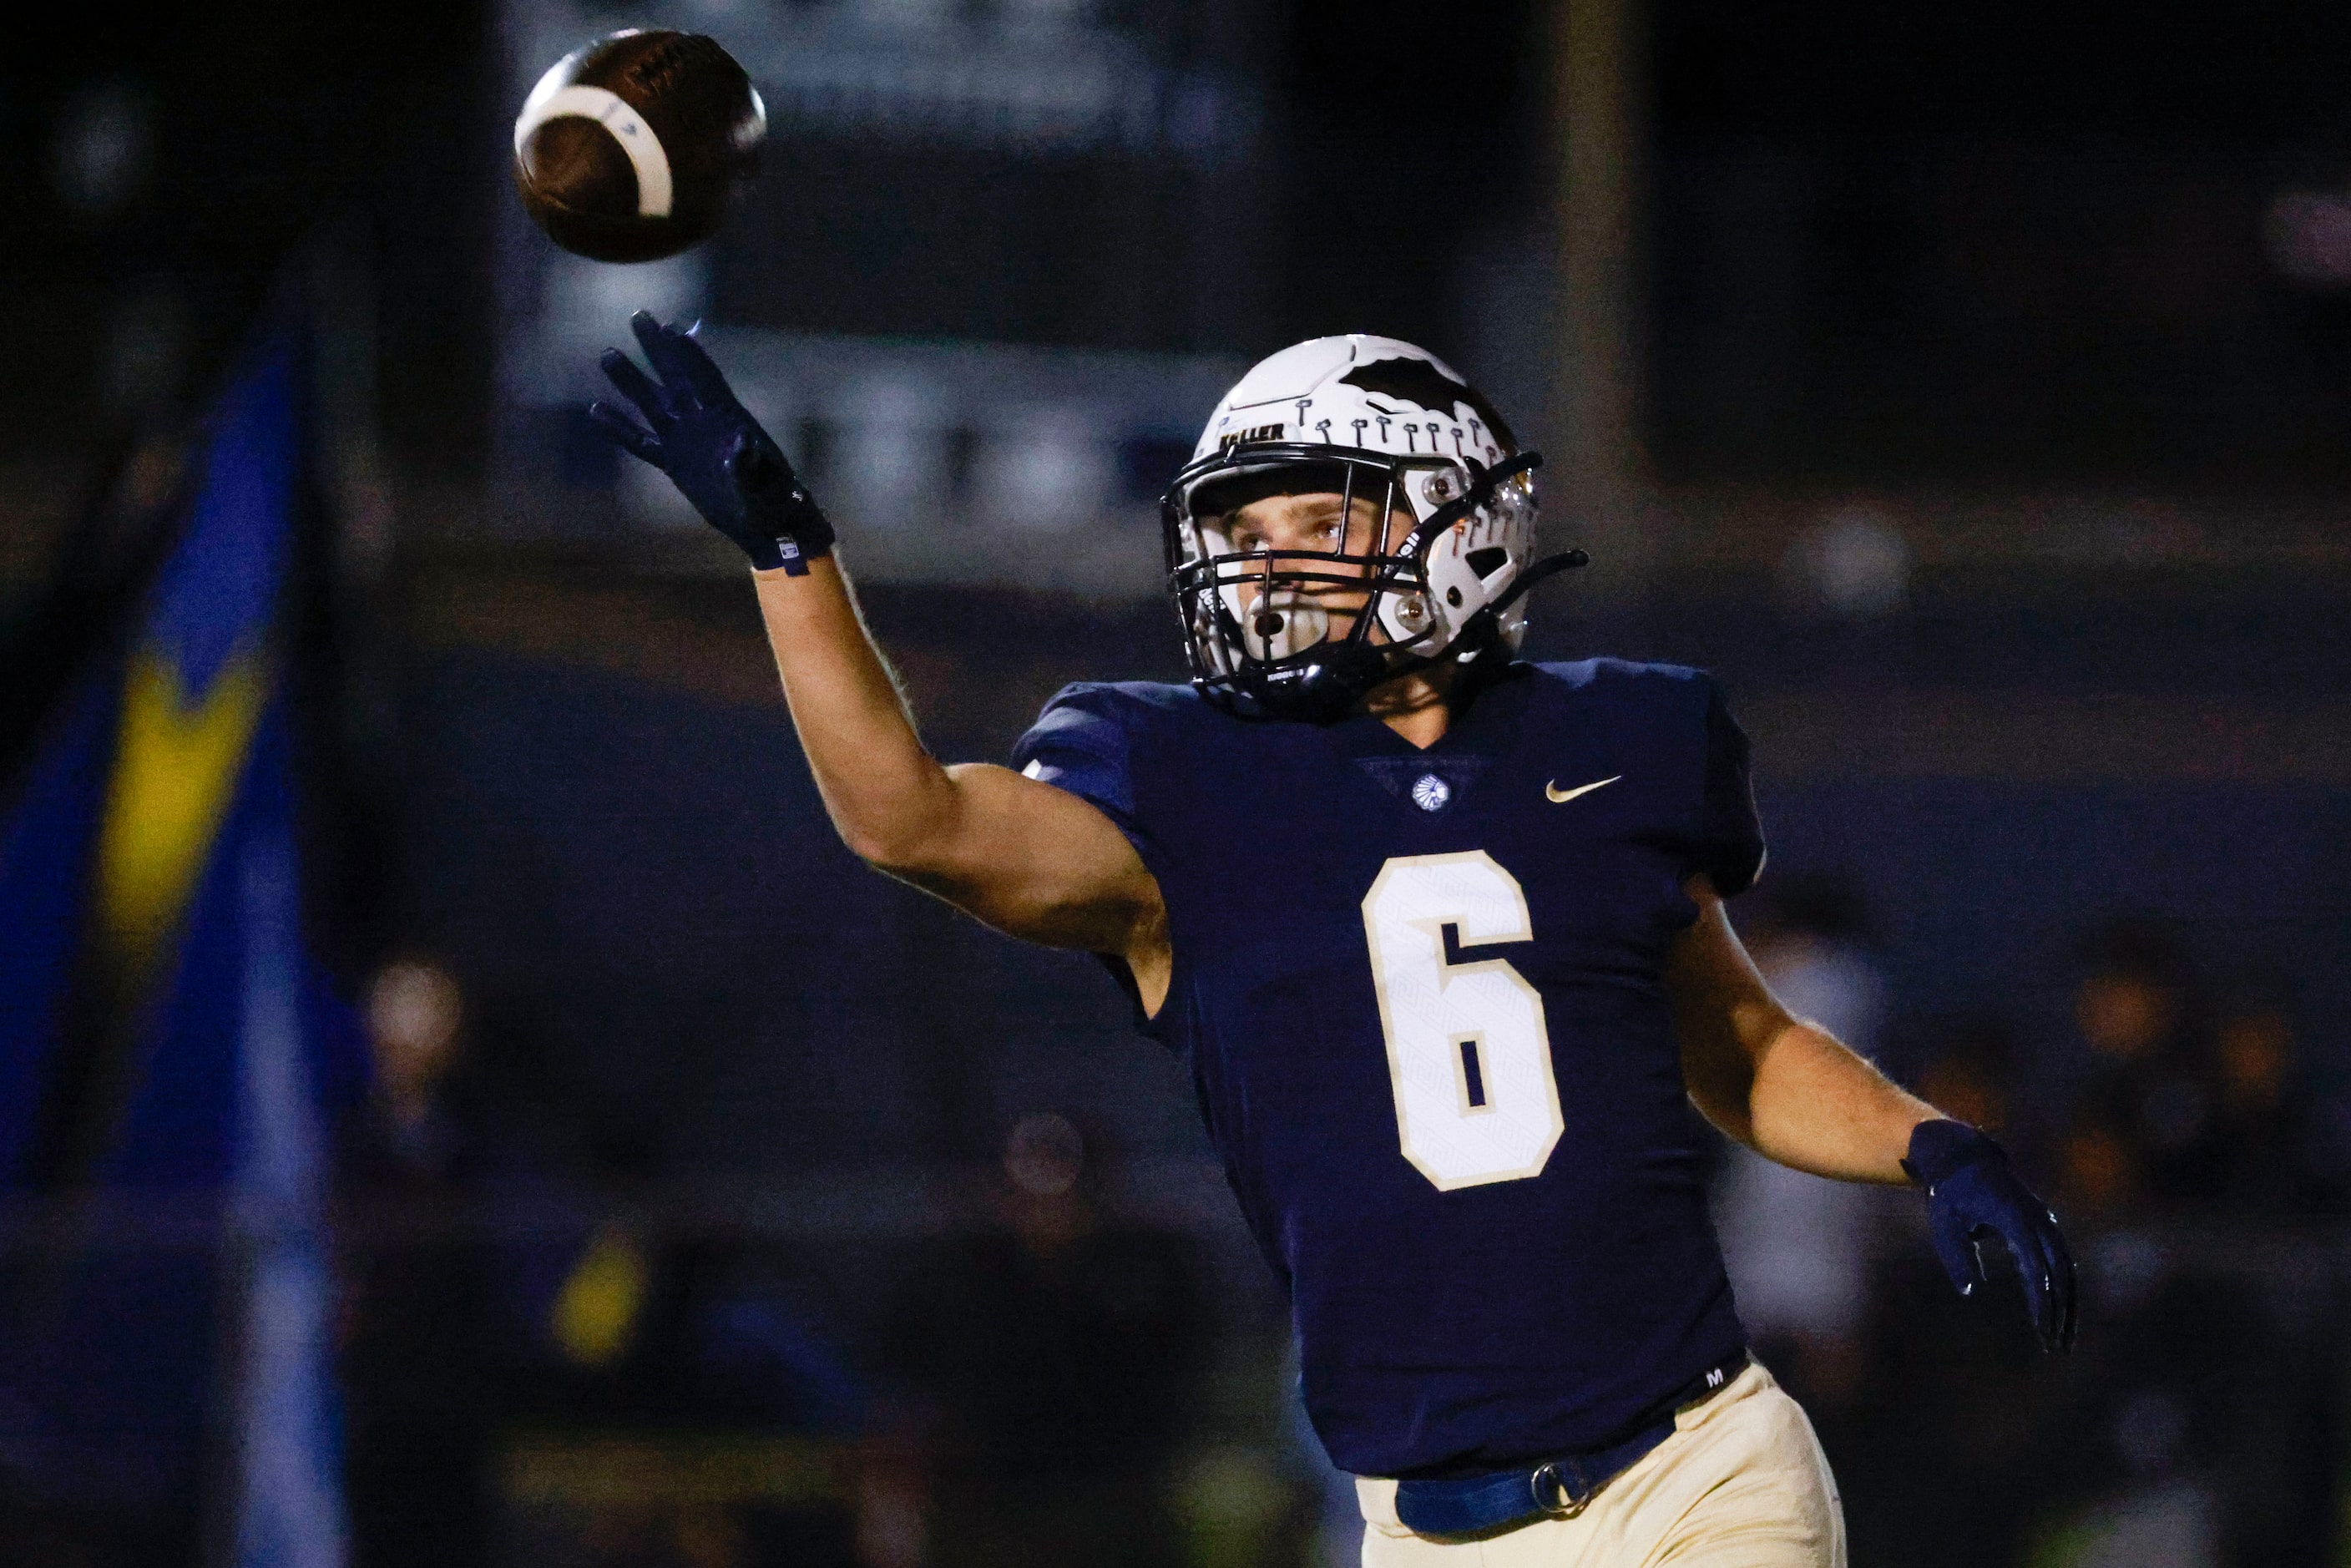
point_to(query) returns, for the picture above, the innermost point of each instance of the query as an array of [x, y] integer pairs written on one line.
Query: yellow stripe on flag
[[176, 765]]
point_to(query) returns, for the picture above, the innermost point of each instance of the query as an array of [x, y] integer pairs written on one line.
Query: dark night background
[[1990, 412]]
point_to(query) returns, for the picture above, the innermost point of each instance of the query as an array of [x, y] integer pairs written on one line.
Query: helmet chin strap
[[1323, 690]]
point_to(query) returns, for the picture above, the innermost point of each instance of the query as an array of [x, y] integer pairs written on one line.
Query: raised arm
[[1789, 1090], [1027, 858]]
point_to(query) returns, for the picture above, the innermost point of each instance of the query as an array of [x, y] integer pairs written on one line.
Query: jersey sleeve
[[1730, 845], [1082, 744]]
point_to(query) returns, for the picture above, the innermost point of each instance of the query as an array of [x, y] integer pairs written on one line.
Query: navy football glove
[[1972, 1193], [712, 449]]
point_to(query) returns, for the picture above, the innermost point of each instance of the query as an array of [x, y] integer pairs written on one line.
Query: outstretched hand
[[695, 431], [1972, 1193]]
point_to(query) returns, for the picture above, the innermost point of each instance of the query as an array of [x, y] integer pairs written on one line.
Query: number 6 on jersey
[[1468, 1055]]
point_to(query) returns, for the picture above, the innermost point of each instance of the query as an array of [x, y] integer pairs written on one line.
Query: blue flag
[[170, 1072]]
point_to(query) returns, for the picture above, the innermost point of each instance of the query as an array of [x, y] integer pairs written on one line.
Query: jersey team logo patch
[[1430, 793], [1556, 796]]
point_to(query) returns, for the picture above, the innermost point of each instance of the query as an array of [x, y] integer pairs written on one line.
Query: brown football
[[629, 147]]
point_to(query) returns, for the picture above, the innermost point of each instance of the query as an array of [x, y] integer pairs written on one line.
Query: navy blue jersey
[[1422, 997]]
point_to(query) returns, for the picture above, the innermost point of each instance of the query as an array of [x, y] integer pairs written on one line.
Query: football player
[[1441, 936]]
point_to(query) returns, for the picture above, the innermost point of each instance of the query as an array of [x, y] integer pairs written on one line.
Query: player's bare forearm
[[1814, 1104], [1029, 859], [1784, 1087], [890, 799]]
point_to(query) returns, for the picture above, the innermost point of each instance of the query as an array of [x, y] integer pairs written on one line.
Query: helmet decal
[[1425, 383]]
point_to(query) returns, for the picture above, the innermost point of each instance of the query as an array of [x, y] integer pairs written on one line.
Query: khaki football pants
[[1741, 1483]]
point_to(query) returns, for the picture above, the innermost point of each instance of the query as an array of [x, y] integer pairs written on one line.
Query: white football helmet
[[1363, 417]]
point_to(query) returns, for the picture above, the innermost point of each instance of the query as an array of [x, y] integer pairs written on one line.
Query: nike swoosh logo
[[1554, 793]]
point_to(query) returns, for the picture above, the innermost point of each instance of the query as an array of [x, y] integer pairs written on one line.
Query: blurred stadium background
[[512, 1131]]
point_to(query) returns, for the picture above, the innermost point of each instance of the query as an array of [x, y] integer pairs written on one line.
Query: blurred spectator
[[2139, 1137], [1797, 1246], [1941, 1457], [1060, 1355], [2278, 1146], [661, 1327], [680, 1331], [415, 1016], [2202, 1427], [2198, 1422], [675, 1340], [1970, 1072], [419, 1367]]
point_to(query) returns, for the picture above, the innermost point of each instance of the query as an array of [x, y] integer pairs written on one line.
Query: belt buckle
[[1547, 1479]]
